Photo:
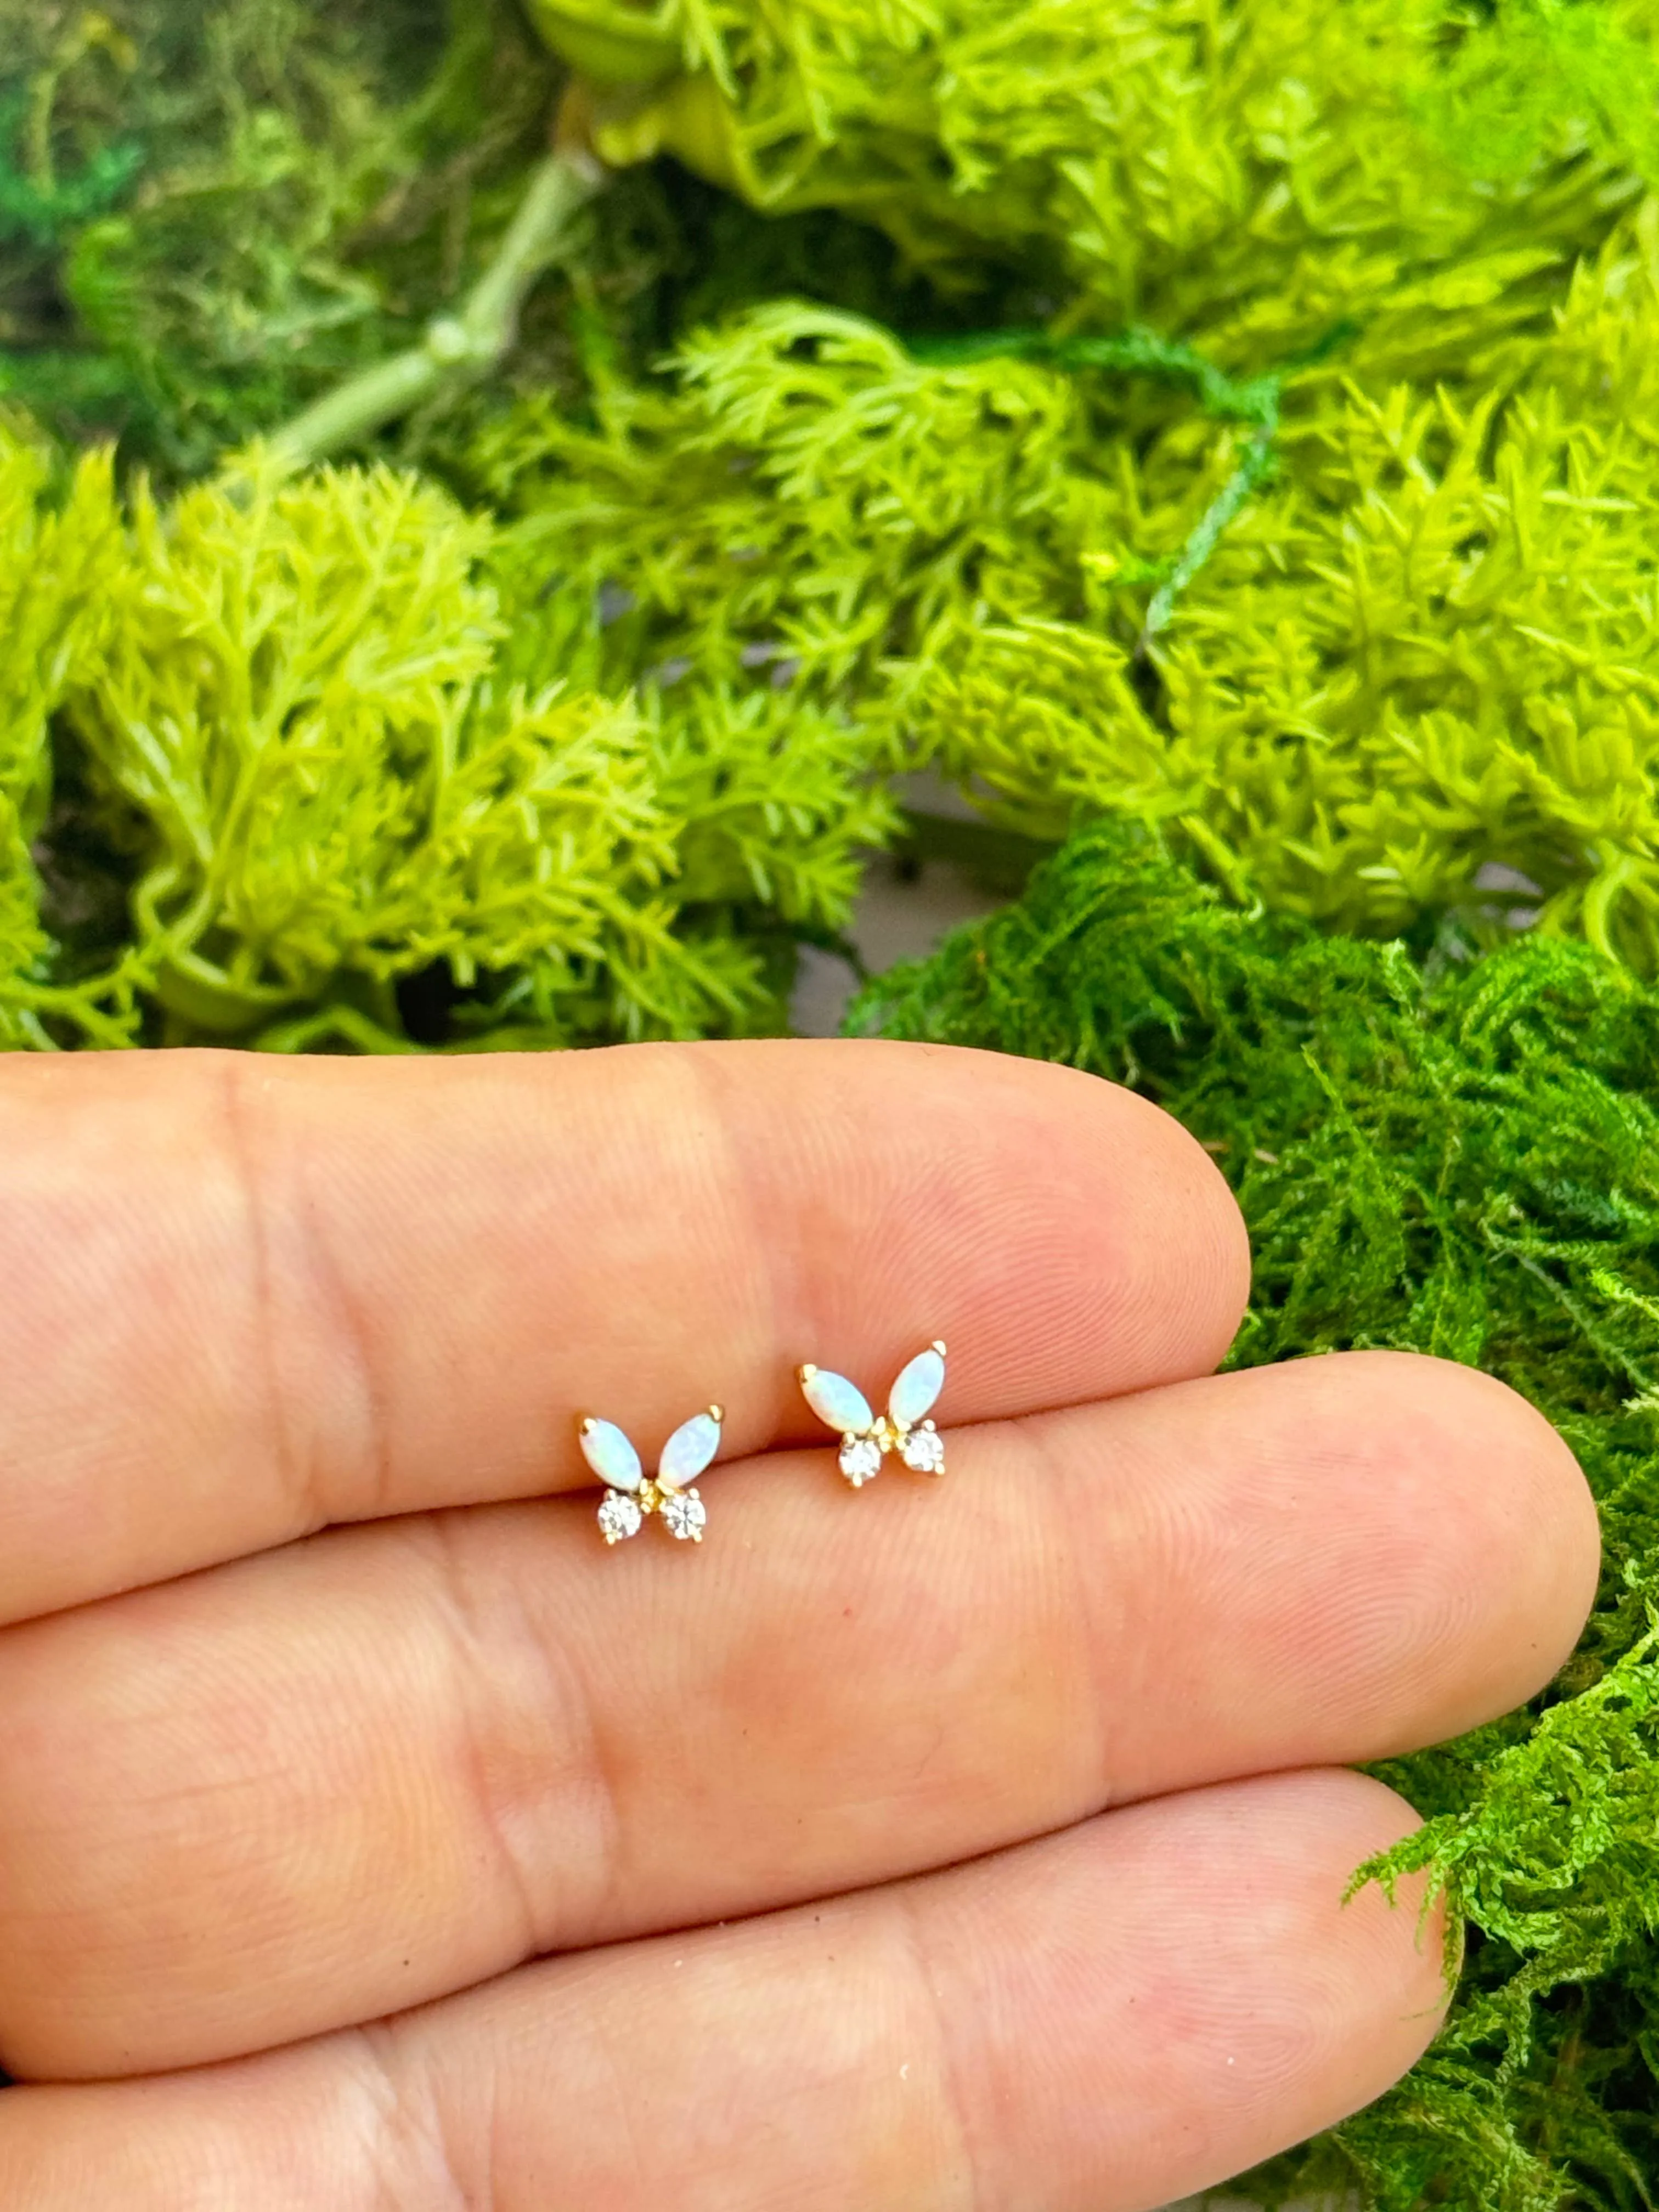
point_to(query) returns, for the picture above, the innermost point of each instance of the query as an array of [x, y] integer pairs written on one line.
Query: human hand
[[349, 1783]]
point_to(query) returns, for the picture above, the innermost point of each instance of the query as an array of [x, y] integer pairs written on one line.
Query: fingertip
[[1145, 1222], [1442, 1544], [1400, 1917], [1364, 1985], [1509, 1537]]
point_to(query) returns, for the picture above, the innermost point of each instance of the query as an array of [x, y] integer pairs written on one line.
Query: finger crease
[[413, 2167], [791, 1309], [294, 1471], [953, 2104], [343, 1325], [1084, 1593], [475, 1688]]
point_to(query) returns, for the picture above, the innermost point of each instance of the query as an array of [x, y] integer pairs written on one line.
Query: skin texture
[[975, 1844]]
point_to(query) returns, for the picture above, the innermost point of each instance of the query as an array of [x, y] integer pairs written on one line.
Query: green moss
[[1253, 174], [340, 820], [1355, 644], [1526, 78], [1452, 1157], [1233, 424], [207, 220], [58, 557], [206, 217], [809, 489]]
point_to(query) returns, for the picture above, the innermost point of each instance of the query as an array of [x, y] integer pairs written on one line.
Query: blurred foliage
[[1425, 648], [207, 216], [1455, 1156], [1250, 175], [335, 818]]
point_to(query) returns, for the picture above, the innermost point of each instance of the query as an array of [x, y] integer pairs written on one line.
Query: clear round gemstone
[[924, 1450], [860, 1459], [619, 1516], [683, 1515]]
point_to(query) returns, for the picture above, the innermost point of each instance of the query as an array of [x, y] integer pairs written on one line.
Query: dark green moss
[[1448, 1155]]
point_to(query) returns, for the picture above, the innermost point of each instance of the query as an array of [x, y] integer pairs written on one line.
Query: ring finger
[[1093, 2023], [317, 1786]]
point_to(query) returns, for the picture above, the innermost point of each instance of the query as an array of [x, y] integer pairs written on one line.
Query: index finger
[[242, 1298]]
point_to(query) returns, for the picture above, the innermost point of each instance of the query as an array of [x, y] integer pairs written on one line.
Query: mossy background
[[1220, 438]]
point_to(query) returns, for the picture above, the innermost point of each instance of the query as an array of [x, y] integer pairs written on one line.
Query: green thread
[[1144, 353]]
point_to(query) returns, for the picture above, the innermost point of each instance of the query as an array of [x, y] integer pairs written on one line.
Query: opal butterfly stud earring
[[867, 1438], [630, 1493]]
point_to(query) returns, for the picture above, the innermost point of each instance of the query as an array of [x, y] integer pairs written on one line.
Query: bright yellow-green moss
[[1427, 645], [56, 558], [1251, 174], [291, 729]]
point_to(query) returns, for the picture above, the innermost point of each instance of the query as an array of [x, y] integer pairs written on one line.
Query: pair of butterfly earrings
[[867, 1438]]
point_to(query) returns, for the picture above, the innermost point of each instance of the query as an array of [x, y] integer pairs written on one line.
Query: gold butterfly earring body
[[867, 1437], [631, 1494]]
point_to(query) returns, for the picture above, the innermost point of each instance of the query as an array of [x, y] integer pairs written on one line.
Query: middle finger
[[324, 1784]]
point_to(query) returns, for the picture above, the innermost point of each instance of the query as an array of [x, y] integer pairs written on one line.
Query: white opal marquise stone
[[838, 1403], [917, 1391], [688, 1452], [611, 1456]]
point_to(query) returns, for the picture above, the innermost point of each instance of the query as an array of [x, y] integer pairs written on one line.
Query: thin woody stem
[[458, 349]]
